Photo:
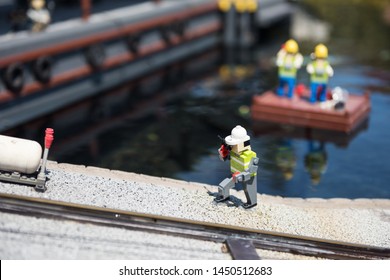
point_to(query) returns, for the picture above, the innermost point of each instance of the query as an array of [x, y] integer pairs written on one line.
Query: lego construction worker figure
[[320, 71], [243, 166], [289, 60], [39, 15]]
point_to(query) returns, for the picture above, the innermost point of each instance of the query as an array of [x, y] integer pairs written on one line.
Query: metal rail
[[237, 238]]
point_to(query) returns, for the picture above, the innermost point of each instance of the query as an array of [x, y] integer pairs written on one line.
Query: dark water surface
[[167, 124]]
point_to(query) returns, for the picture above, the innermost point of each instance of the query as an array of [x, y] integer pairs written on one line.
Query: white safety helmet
[[238, 136]]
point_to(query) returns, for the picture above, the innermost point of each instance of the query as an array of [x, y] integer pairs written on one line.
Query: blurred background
[[167, 123]]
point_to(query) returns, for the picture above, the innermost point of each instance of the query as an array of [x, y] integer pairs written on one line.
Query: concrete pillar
[[239, 20], [230, 37], [253, 26]]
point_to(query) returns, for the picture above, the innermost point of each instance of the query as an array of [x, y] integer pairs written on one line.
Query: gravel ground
[[363, 221], [36, 238]]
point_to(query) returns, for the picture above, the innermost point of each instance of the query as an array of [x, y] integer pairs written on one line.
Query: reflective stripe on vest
[[320, 74], [240, 163], [288, 69]]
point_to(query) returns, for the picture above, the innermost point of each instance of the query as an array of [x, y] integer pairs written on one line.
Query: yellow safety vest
[[240, 162], [288, 68], [320, 74]]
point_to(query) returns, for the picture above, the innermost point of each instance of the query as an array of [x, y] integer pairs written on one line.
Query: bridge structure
[[71, 60]]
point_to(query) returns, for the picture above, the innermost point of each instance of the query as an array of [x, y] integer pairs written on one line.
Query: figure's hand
[[223, 152], [310, 69]]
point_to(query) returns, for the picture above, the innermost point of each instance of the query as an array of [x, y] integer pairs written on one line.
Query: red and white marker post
[[49, 137]]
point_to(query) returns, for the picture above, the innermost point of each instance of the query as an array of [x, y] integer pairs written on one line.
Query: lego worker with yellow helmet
[[243, 166], [320, 71], [288, 60]]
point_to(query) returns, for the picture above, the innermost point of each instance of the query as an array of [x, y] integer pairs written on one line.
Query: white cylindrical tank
[[19, 155]]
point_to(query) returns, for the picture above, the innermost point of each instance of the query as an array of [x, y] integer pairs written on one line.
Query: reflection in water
[[238, 65], [316, 161], [285, 164], [158, 125], [285, 158], [131, 127]]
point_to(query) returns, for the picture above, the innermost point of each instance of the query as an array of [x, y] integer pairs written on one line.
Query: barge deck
[[299, 112]]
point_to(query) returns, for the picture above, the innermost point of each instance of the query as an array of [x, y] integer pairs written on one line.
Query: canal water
[[168, 123]]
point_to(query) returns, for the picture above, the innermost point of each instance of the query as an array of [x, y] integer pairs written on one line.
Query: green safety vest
[[288, 69], [320, 74], [240, 162]]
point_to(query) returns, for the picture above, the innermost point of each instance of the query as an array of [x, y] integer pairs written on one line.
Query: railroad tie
[[242, 249]]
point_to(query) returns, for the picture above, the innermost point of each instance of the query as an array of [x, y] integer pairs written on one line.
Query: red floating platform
[[299, 112]]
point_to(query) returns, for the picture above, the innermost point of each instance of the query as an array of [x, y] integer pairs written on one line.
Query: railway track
[[241, 242]]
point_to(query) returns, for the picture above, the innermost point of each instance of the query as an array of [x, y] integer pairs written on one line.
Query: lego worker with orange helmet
[[243, 166], [320, 71], [288, 60]]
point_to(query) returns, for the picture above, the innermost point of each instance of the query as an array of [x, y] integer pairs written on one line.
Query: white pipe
[[19, 155]]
